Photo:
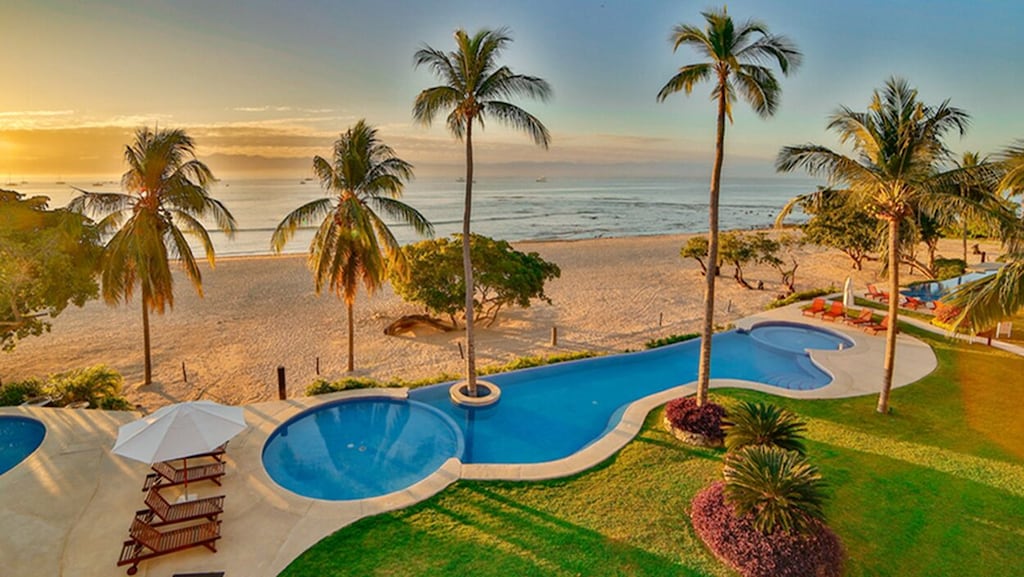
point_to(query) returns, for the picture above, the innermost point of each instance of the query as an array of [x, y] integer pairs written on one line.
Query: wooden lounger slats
[[165, 474], [148, 542], [167, 512]]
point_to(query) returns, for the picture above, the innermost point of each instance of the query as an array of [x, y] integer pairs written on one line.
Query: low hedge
[[754, 554], [801, 296], [706, 420], [323, 386], [671, 339]]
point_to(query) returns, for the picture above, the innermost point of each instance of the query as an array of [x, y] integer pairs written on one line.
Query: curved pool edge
[[35, 450]]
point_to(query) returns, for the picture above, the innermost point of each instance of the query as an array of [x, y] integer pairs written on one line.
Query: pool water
[[367, 447], [19, 437], [933, 291], [360, 448]]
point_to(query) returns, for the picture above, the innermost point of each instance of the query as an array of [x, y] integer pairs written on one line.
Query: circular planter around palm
[[700, 426], [487, 393]]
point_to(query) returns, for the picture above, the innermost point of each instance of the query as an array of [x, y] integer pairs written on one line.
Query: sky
[[263, 85]]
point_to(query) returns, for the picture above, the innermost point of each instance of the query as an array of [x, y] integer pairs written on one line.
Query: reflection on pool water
[[366, 447], [933, 291], [19, 437]]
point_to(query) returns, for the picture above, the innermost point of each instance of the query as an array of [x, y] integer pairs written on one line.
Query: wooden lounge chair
[[817, 307], [864, 317], [166, 512], [147, 541], [875, 328], [913, 303], [165, 474], [836, 311], [875, 294]]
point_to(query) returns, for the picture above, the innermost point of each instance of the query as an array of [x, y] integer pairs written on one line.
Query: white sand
[[259, 313]]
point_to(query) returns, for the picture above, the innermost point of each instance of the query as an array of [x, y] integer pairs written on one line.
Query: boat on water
[[460, 179], [542, 179]]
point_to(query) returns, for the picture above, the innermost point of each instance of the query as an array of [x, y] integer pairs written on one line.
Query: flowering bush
[[755, 554], [704, 420]]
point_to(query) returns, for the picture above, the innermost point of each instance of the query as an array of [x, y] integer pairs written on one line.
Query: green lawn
[[936, 488]]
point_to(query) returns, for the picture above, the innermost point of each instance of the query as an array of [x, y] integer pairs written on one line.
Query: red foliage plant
[[756, 554], [704, 420]]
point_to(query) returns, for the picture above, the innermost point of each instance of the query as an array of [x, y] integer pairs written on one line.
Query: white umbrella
[[848, 293], [179, 431]]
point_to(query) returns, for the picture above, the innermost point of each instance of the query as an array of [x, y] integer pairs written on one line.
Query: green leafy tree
[[835, 223], [166, 198], [696, 247], [899, 151], [760, 423], [474, 89], [780, 255], [48, 261], [735, 64], [780, 489], [504, 276], [737, 250], [353, 244]]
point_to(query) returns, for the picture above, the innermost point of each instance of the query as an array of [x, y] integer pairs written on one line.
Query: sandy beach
[[259, 313]]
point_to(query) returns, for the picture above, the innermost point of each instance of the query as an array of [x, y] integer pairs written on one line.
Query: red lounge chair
[[875, 294], [165, 474], [835, 312], [875, 328], [864, 317], [148, 542], [817, 307], [913, 303], [166, 512]]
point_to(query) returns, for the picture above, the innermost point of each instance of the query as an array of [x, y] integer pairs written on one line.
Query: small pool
[[359, 448], [19, 437], [797, 338], [935, 290]]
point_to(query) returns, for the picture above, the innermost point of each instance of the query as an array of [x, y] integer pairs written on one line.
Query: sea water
[[508, 208]]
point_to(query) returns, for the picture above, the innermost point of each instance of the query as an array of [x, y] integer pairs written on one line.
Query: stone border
[[459, 394]]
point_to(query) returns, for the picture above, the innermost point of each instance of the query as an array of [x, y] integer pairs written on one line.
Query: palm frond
[[517, 118], [433, 100], [403, 213], [779, 489], [182, 252], [759, 87], [687, 77], [196, 229], [100, 203], [990, 299], [304, 215]]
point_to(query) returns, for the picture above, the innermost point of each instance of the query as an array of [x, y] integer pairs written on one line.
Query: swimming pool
[[933, 291], [545, 413], [19, 437]]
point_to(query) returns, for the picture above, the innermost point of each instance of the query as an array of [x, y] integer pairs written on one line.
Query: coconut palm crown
[[736, 58], [166, 197], [475, 88], [352, 243]]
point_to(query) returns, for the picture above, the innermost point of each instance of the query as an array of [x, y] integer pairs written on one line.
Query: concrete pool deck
[[67, 507]]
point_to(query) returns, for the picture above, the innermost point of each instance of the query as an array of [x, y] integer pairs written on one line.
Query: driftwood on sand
[[410, 322]]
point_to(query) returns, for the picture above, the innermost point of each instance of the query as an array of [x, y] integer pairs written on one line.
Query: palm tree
[[166, 194], [899, 147], [735, 58], [353, 243], [474, 89], [763, 424], [780, 489]]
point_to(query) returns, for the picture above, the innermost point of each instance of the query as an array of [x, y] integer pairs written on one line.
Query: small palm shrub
[[706, 420], [98, 385], [733, 538], [776, 488], [763, 424], [17, 392]]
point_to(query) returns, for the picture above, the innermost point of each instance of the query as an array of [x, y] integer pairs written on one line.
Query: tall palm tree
[[166, 194], [353, 243], [899, 150], [735, 63], [474, 89]]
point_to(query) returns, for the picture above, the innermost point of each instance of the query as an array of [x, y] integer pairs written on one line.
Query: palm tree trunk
[[148, 371], [894, 300], [704, 370], [467, 263], [351, 339]]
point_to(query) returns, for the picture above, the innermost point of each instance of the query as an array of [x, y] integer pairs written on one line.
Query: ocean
[[506, 208]]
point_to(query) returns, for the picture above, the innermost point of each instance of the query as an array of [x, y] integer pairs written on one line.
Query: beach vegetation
[[737, 249], [895, 173], [669, 340], [323, 386], [48, 261], [757, 423], [166, 198], [780, 254], [703, 420], [696, 247], [802, 296], [736, 57], [100, 386], [475, 88], [353, 244], [947, 268], [835, 223], [13, 393], [503, 276]]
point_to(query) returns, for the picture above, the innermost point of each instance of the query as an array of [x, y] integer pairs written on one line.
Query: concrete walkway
[[66, 509]]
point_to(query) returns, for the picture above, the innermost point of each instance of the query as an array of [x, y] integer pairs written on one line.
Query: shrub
[[752, 553], [671, 339], [17, 392], [946, 268], [98, 385], [323, 386], [763, 424], [706, 420], [801, 296], [776, 488]]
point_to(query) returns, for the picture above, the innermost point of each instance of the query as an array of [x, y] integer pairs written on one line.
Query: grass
[[935, 488]]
